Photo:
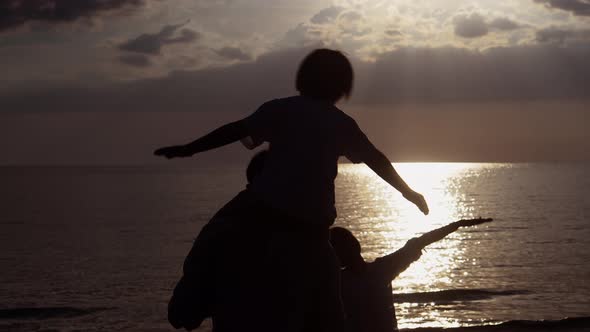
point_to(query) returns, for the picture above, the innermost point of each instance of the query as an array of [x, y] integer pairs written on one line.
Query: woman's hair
[[325, 74], [346, 246]]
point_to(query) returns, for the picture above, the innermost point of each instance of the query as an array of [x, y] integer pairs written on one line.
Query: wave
[[454, 295], [47, 312], [563, 325]]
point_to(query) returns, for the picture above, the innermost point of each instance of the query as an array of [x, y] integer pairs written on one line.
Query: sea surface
[[100, 248]]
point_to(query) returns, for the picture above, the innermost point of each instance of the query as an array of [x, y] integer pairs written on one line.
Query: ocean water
[[100, 248]]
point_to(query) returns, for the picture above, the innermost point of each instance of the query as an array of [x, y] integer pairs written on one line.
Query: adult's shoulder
[[270, 103], [277, 103]]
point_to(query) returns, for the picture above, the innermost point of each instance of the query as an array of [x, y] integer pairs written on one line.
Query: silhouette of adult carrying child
[[280, 255]]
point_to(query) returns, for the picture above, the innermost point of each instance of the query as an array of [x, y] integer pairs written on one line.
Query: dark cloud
[[431, 75], [135, 60], [240, 87], [562, 36], [455, 75], [503, 23], [475, 25], [233, 53], [326, 15], [470, 26], [14, 13], [553, 35], [352, 16], [577, 7], [153, 43]]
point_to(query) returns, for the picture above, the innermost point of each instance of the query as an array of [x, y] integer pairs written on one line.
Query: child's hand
[[173, 151], [418, 200]]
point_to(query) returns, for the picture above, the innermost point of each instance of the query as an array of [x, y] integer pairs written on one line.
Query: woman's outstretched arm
[[394, 264], [221, 136], [440, 233], [379, 163]]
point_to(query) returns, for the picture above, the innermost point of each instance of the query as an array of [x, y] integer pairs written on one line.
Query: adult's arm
[[219, 137]]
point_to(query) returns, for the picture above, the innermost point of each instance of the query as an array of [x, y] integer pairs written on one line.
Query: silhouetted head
[[256, 165], [325, 74], [346, 246]]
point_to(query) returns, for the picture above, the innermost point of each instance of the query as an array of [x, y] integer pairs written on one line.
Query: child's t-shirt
[[306, 137]]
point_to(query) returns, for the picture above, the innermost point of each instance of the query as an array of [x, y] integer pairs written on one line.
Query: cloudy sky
[[105, 81]]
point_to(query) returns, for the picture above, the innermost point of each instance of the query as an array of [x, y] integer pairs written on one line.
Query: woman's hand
[[173, 151], [418, 200]]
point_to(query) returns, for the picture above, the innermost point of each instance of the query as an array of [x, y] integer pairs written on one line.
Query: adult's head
[[325, 74], [346, 246], [256, 165]]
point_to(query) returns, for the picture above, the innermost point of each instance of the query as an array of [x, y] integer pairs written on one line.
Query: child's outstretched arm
[[379, 163], [221, 136]]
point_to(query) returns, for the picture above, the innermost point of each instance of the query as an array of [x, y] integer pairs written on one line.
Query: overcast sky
[[104, 81]]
